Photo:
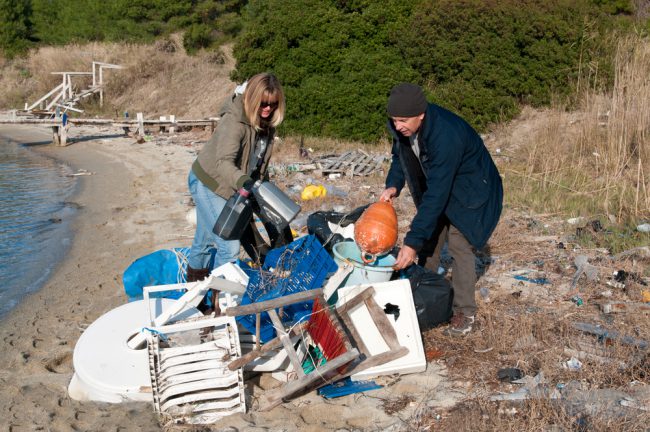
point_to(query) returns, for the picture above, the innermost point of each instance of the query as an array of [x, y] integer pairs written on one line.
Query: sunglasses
[[269, 104]]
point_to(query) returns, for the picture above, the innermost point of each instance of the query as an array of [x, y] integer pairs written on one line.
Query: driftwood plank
[[276, 303], [275, 397], [286, 341]]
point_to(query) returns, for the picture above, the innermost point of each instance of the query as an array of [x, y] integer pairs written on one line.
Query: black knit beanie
[[406, 100]]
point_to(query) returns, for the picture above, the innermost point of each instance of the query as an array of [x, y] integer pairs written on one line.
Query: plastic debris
[[576, 220], [346, 387], [644, 228], [577, 300], [590, 271], [510, 374], [645, 296], [573, 364], [604, 334], [313, 191], [538, 281]]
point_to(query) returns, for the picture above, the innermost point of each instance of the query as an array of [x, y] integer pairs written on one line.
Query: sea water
[[35, 215]]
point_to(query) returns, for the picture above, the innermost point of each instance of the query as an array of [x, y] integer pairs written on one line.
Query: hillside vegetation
[[339, 58], [585, 62]]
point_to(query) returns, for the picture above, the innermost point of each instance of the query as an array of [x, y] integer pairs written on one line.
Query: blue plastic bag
[[166, 266]]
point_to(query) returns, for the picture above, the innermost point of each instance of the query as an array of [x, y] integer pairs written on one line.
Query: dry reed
[[596, 160]]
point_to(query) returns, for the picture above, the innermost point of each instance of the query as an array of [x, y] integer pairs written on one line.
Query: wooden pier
[[61, 125]]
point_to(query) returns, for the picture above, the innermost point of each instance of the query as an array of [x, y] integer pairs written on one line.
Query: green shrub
[[15, 29], [334, 59], [197, 36], [480, 58], [498, 54]]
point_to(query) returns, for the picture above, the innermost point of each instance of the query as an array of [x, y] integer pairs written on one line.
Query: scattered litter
[[604, 334], [313, 191], [614, 284], [538, 281], [625, 307], [644, 228], [485, 294], [622, 276], [510, 374], [590, 271], [346, 387], [356, 162], [573, 364], [577, 300], [576, 220]]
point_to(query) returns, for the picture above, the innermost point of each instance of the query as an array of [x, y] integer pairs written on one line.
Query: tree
[[15, 16]]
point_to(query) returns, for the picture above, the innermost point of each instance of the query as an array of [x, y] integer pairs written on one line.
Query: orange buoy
[[376, 230]]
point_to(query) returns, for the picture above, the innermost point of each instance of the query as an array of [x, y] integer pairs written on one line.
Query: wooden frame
[[321, 373]]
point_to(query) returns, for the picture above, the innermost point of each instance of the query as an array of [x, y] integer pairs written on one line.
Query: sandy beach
[[135, 202]]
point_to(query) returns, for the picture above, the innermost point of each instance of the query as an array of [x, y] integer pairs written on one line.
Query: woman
[[235, 157]]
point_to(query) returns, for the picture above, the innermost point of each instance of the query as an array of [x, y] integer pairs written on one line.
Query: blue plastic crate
[[299, 266]]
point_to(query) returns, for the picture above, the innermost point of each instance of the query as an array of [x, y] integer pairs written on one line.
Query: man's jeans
[[463, 269], [208, 207]]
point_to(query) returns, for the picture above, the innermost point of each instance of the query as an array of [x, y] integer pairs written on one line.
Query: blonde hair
[[263, 86]]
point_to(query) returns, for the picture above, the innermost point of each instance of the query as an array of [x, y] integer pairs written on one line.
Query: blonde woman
[[235, 157]]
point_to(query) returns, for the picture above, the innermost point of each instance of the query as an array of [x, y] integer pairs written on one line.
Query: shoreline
[[42, 330], [135, 202]]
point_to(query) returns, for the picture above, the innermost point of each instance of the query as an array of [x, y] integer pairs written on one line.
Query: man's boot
[[195, 275]]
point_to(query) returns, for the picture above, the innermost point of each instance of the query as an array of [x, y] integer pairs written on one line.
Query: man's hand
[[388, 194], [405, 258]]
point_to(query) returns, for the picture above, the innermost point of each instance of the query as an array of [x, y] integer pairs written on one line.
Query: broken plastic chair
[[324, 329], [189, 376], [228, 278]]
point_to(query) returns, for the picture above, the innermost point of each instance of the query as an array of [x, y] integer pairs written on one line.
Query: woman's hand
[[388, 194]]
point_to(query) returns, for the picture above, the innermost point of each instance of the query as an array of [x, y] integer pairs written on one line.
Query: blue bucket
[[381, 270]]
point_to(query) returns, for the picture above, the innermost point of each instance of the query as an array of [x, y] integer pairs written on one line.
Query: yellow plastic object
[[645, 294], [313, 191]]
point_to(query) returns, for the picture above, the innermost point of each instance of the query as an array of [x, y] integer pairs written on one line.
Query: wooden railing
[[61, 125]]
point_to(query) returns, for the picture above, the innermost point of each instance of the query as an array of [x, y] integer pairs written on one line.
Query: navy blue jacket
[[458, 178]]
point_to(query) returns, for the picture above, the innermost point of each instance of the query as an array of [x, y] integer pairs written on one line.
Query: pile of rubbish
[[317, 315]]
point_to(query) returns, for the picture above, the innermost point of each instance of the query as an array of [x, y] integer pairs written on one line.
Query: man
[[455, 186]]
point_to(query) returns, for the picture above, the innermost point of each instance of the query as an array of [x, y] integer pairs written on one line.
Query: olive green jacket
[[222, 163]]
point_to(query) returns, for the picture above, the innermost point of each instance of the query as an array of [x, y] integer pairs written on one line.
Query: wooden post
[[172, 129], [101, 87], [55, 135], [69, 86], [63, 130], [140, 118]]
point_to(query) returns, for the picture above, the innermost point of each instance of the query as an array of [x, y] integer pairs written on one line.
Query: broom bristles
[[324, 333]]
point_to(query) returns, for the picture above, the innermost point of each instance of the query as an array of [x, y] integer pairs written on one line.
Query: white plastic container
[[379, 271]]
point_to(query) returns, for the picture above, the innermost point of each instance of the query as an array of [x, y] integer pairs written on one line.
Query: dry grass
[[158, 79], [531, 327], [594, 161]]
